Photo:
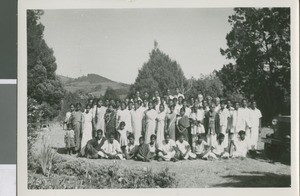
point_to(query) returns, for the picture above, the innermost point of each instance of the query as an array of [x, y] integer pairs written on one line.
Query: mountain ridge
[[93, 84]]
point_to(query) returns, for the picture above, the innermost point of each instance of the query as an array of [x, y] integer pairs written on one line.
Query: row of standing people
[[175, 116]]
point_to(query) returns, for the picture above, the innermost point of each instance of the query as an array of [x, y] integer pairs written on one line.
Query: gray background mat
[[8, 39], [8, 123]]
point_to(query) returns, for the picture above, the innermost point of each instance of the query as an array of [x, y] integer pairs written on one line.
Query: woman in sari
[[150, 123], [171, 123], [160, 124], [183, 123], [98, 116], [110, 121]]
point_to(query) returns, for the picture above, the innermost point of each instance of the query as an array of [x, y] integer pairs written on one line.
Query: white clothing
[[241, 148], [125, 116], [160, 127], [243, 121], [167, 148], [177, 108], [99, 113], [150, 116], [87, 132], [113, 149], [183, 148], [123, 137], [179, 95], [137, 123], [218, 149], [255, 115]]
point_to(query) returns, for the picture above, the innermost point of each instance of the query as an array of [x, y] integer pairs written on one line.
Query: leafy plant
[[46, 157]]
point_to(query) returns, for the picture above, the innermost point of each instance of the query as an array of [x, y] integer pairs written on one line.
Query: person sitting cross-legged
[[201, 148], [184, 149], [240, 146], [111, 149], [167, 150], [93, 146], [131, 148], [143, 152], [220, 148]]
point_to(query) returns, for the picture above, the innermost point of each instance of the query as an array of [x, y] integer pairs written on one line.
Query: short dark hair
[[242, 132], [220, 135], [99, 131], [72, 104], [142, 138], [153, 136], [122, 123], [130, 136], [78, 104]]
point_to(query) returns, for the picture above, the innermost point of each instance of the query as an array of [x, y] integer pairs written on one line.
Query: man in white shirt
[[255, 121], [167, 150], [169, 94], [187, 109], [178, 94], [177, 106], [240, 146], [184, 149], [217, 102], [243, 119], [220, 149], [224, 116], [111, 149]]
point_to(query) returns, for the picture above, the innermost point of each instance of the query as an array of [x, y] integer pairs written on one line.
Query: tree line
[[258, 46]]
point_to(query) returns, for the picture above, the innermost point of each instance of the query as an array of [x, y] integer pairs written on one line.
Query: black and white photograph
[[158, 98]]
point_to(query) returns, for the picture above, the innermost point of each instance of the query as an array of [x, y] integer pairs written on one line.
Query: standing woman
[[124, 115], [160, 126], [110, 121], [171, 122], [98, 116], [69, 114], [77, 119], [150, 124], [136, 121], [87, 133]]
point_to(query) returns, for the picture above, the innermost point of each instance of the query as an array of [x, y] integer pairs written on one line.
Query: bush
[[80, 174], [46, 157]]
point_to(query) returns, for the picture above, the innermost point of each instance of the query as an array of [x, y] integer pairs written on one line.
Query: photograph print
[[158, 98]]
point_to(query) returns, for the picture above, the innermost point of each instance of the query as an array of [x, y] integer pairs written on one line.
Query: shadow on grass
[[260, 155], [256, 179]]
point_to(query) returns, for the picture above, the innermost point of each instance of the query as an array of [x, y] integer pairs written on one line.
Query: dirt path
[[199, 173]]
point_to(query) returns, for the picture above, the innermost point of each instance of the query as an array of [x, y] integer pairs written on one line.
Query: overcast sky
[[115, 43]]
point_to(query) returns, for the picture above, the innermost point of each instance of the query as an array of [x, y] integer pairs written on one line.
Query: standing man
[[243, 119], [178, 94], [255, 121]]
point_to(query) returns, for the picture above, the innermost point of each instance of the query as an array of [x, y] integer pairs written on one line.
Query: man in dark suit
[[93, 146]]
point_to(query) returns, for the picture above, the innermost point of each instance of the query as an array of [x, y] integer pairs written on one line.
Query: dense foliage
[[159, 73], [259, 45], [110, 94], [43, 84], [80, 174]]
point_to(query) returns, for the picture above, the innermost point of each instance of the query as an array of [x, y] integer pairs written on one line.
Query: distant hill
[[93, 84]]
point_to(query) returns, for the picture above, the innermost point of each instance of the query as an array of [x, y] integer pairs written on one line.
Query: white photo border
[[23, 5]]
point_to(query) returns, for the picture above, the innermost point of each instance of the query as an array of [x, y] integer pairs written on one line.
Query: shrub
[[46, 157], [78, 173]]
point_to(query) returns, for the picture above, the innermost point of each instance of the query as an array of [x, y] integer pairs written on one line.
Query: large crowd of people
[[163, 128]]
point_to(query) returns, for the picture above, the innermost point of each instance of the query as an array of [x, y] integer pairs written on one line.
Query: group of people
[[168, 127]]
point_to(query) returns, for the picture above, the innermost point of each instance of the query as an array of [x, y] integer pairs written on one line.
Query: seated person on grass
[[93, 146], [111, 149], [143, 151], [220, 148], [167, 150], [201, 148], [131, 148], [239, 147], [153, 147], [184, 149]]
